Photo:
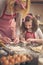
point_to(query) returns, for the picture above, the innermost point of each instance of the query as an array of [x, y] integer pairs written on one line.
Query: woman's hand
[[16, 40], [5, 39]]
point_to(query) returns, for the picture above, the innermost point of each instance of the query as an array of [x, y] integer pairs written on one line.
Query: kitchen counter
[[28, 51]]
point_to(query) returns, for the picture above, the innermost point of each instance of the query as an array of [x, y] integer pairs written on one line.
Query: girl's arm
[[35, 40], [39, 33], [22, 38], [38, 40]]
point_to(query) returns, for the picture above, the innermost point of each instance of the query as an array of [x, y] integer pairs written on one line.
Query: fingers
[[16, 41], [5, 39]]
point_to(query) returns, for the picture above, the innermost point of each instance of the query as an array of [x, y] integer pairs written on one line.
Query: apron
[[29, 35], [5, 24]]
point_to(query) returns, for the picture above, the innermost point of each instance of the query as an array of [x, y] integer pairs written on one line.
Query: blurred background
[[37, 9]]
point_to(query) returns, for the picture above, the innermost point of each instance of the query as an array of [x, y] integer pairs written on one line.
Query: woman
[[8, 24]]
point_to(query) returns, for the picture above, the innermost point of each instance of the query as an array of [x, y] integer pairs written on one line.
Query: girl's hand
[[16, 40], [29, 40], [22, 40]]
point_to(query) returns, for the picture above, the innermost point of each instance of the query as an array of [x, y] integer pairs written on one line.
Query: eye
[[30, 25]]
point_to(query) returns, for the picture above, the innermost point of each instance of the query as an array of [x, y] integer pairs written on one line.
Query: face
[[28, 24]]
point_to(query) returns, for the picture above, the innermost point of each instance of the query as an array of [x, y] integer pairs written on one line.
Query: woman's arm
[[15, 38]]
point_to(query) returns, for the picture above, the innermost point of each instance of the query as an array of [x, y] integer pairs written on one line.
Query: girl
[[29, 28]]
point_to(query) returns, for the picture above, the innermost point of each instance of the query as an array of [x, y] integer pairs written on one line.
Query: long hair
[[10, 5], [34, 23]]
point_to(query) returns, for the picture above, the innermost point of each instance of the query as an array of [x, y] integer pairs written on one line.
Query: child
[[29, 28]]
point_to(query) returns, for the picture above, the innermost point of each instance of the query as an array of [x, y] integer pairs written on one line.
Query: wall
[[38, 9]]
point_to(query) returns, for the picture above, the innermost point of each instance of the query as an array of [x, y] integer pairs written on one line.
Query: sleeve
[[13, 28], [39, 33]]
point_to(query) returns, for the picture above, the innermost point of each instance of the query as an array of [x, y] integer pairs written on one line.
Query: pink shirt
[[29, 35], [7, 26]]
